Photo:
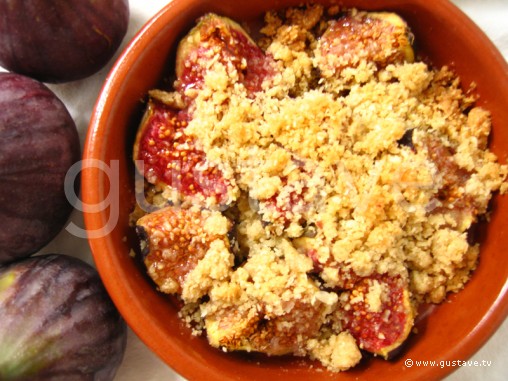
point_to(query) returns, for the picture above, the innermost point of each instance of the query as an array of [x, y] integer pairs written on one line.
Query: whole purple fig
[[38, 144], [60, 41], [57, 323]]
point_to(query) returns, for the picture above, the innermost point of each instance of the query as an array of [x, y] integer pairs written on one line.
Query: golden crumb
[[338, 352]]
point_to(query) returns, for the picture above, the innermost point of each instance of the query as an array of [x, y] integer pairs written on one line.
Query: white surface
[[139, 362]]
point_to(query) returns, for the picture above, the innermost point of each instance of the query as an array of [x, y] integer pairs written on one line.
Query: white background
[[139, 363]]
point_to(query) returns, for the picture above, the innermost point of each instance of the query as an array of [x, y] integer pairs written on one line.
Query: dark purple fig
[[39, 143], [59, 41], [57, 322]]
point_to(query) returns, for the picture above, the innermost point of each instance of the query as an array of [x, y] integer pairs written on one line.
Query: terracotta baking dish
[[451, 331]]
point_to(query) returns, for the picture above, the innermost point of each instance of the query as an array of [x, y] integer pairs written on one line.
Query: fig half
[[217, 38], [237, 329], [378, 313], [166, 156], [381, 38], [173, 240]]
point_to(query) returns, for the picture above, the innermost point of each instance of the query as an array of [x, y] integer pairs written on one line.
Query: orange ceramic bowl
[[450, 331]]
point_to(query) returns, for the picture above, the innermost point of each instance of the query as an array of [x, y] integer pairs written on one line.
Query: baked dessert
[[309, 190]]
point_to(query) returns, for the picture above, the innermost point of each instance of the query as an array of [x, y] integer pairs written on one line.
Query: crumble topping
[[353, 176]]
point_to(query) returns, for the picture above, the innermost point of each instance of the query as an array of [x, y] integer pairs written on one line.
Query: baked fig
[[220, 38], [39, 145], [381, 38], [378, 313], [59, 41], [58, 322], [235, 329], [173, 241], [166, 156]]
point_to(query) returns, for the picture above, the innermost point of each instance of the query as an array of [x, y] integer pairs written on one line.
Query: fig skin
[[40, 143], [58, 322], [59, 41]]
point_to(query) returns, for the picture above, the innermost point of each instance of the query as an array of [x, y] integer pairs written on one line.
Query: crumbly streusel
[[373, 169]]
